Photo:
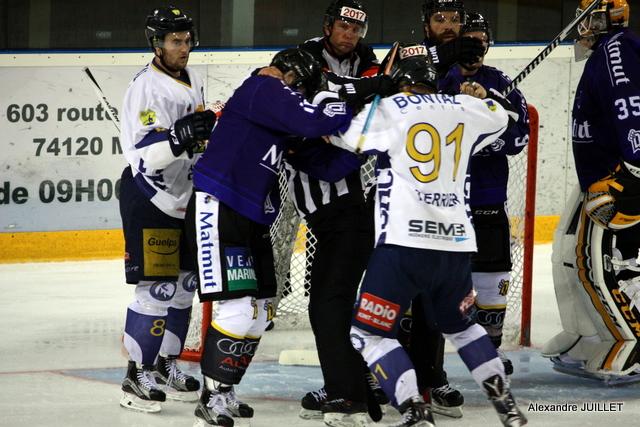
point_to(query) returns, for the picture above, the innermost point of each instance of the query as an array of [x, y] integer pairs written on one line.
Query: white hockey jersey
[[153, 102], [424, 144]]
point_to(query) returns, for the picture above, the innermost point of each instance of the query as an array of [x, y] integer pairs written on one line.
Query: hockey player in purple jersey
[[442, 21], [489, 172], [234, 202], [595, 250]]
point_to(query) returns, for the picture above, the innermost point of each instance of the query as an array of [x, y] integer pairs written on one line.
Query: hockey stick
[[376, 100], [113, 114], [547, 50]]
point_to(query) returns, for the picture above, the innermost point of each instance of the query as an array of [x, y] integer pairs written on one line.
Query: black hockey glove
[[463, 50], [358, 92], [189, 132], [614, 201]]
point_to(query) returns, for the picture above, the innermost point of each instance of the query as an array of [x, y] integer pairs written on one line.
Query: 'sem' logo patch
[[491, 105], [148, 117]]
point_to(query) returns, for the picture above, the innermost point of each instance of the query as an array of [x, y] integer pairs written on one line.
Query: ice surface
[[61, 361]]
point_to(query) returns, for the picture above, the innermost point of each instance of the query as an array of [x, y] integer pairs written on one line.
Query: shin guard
[[225, 357]]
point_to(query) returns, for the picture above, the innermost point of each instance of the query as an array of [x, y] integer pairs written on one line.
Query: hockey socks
[[226, 357], [176, 330], [143, 336], [389, 363], [478, 353]]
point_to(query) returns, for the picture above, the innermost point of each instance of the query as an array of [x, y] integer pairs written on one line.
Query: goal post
[[294, 247]]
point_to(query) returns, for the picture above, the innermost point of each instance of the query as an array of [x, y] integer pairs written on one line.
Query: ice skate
[[445, 400], [237, 408], [176, 384], [415, 413], [141, 393], [376, 398], [312, 404], [570, 366], [344, 413], [506, 362], [213, 410], [503, 402]]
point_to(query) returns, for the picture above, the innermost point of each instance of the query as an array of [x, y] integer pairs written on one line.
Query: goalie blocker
[[596, 281]]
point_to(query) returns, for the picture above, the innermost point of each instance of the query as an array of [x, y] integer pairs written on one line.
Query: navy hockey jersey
[[241, 163], [606, 109], [489, 168]]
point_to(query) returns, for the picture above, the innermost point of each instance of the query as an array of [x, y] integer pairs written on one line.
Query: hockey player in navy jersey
[[424, 236], [163, 125], [596, 246], [442, 21], [489, 171], [234, 202]]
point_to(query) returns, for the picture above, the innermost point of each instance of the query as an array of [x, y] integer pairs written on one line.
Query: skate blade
[[447, 411], [199, 422], [334, 419], [309, 414], [180, 396], [608, 380], [134, 403]]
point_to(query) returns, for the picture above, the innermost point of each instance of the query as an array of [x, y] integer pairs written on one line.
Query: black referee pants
[[344, 244]]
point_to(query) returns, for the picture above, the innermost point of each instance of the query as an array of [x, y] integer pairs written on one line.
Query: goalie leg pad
[[593, 293], [575, 319], [389, 364]]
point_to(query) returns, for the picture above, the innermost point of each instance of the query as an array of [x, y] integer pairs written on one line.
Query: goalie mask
[[308, 78], [608, 15], [166, 20], [414, 70], [351, 11]]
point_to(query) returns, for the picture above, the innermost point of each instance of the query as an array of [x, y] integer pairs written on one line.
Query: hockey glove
[[358, 92], [464, 50], [191, 133], [614, 201]]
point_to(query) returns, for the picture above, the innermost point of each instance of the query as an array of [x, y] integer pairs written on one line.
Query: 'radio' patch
[[377, 312]]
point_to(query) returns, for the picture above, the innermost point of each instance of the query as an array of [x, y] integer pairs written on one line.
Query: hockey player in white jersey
[[424, 235], [163, 122]]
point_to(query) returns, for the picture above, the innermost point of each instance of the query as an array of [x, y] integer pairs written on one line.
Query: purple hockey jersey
[[241, 163], [489, 168], [606, 109]]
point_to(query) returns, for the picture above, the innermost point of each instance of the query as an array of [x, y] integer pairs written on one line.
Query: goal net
[[294, 248]]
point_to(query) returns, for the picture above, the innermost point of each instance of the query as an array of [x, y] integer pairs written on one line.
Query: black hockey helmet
[[165, 20], [307, 70], [415, 70], [432, 6], [477, 22], [351, 11]]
